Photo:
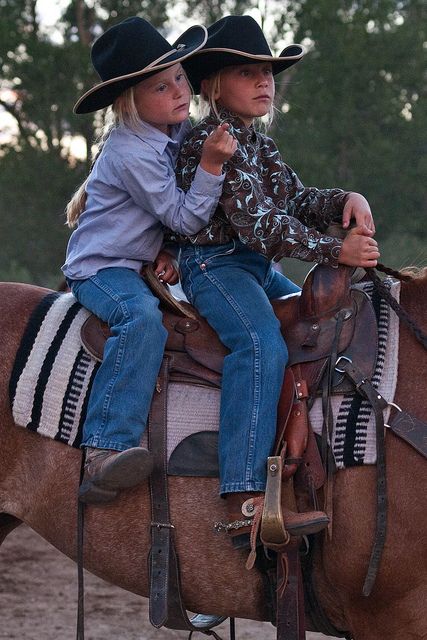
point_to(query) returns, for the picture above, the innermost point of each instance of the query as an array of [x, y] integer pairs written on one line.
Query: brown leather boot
[[241, 509], [304, 524], [300, 523], [244, 511], [106, 472]]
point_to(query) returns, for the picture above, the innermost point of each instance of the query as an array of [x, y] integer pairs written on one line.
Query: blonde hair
[[123, 111], [209, 103]]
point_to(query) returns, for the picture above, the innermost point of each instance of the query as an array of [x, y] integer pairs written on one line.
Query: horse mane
[[415, 273], [404, 275], [408, 275]]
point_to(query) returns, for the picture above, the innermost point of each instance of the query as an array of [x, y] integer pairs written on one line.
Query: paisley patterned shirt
[[263, 202]]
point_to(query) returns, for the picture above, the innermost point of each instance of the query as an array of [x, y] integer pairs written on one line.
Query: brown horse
[[39, 479]]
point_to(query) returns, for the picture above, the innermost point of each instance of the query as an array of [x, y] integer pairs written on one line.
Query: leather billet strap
[[328, 422], [166, 606], [378, 403], [290, 595]]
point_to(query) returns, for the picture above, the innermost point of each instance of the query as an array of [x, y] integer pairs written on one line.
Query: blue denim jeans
[[124, 383], [231, 286]]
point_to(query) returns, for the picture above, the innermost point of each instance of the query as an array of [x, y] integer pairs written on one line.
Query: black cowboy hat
[[129, 51], [236, 40]]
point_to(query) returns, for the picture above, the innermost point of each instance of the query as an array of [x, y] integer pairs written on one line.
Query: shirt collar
[[159, 140], [244, 134]]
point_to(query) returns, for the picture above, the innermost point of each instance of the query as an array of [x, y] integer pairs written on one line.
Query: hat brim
[[103, 94], [208, 61]]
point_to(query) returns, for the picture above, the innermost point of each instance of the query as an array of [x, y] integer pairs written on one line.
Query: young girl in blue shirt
[[120, 211]]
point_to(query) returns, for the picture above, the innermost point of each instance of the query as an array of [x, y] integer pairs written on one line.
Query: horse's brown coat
[[38, 483]]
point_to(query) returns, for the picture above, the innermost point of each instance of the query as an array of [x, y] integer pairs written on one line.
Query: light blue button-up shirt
[[131, 195]]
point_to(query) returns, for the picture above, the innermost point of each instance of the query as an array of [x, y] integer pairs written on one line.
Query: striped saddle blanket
[[52, 376]]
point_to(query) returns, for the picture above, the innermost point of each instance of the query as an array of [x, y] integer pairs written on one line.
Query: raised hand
[[357, 207], [218, 147]]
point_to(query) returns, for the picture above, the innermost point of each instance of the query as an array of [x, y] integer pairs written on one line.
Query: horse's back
[[38, 485], [45, 480], [17, 301], [401, 582]]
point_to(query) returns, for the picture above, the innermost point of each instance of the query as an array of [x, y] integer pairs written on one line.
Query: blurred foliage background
[[351, 114]]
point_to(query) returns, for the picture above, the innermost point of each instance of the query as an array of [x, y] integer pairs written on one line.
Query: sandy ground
[[38, 600]]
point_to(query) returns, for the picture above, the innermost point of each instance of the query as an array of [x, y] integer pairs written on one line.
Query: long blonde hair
[[123, 111], [208, 102]]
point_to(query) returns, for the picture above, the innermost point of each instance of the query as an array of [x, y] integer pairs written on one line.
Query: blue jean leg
[[230, 286], [277, 285], [124, 383]]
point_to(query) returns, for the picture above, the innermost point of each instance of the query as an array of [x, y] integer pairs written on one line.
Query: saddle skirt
[[53, 372]]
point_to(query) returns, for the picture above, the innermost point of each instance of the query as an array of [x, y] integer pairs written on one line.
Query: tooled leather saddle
[[329, 317], [308, 324]]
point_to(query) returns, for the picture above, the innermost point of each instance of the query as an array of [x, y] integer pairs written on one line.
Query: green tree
[[209, 11], [356, 117], [44, 72], [355, 113]]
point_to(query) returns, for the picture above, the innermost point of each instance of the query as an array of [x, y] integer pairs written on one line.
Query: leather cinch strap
[[166, 606]]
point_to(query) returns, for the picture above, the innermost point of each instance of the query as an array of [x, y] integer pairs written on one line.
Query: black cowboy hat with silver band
[[130, 51], [236, 40]]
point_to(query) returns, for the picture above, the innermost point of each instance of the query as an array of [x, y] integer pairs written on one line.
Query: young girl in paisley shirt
[[264, 213]]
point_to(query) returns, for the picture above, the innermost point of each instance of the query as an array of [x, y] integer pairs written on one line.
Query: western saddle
[[308, 324], [330, 322]]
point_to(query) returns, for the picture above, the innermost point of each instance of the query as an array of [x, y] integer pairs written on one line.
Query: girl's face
[[247, 90], [163, 99]]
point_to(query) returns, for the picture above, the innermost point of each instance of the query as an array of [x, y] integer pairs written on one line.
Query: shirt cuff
[[340, 199], [329, 251], [207, 183]]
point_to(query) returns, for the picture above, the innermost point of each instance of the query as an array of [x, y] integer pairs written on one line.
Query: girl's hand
[[357, 207], [218, 147], [359, 249], [166, 268]]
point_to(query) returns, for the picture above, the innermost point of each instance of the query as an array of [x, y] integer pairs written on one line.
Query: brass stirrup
[[273, 531]]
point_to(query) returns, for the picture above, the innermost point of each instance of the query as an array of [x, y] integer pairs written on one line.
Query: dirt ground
[[38, 600]]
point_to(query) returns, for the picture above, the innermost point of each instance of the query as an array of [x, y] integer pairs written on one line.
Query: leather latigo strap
[[378, 403], [296, 432], [286, 400], [166, 606]]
